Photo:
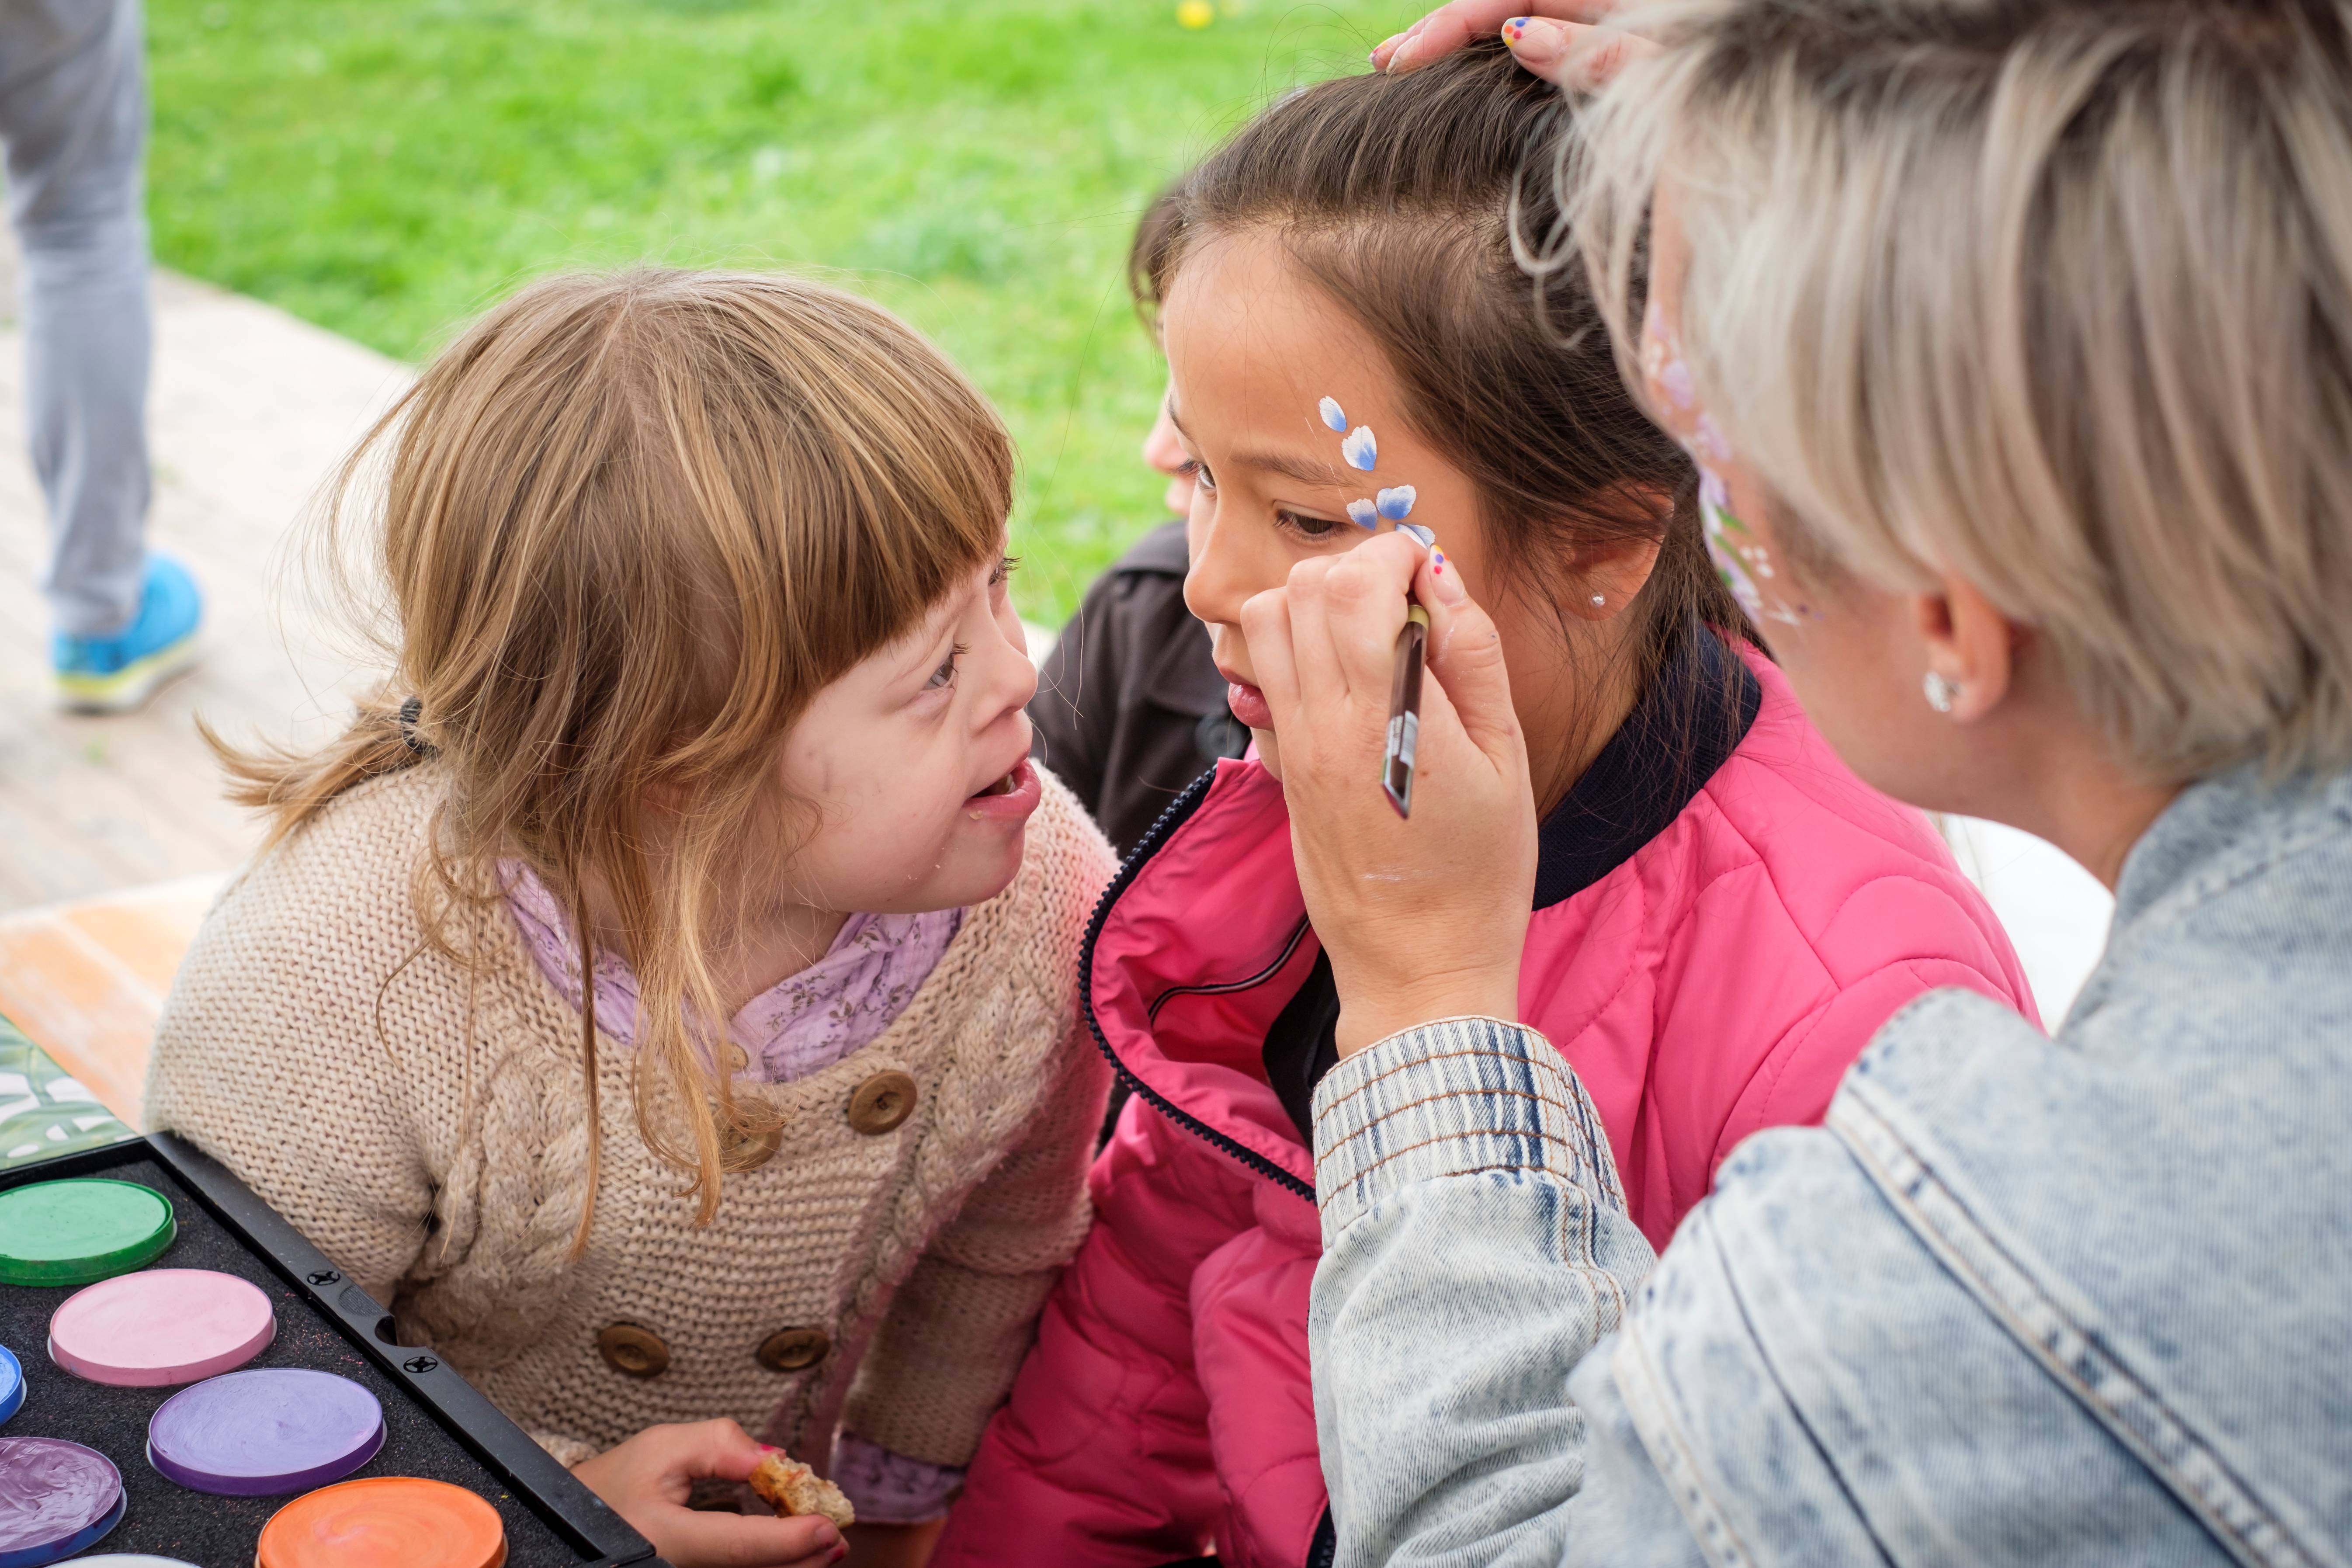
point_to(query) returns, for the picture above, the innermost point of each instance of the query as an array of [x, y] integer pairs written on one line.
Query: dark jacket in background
[[1130, 707]]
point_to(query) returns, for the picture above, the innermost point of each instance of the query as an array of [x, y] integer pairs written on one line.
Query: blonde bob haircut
[[626, 528], [2053, 294]]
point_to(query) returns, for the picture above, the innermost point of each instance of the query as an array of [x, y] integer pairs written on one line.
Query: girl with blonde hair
[[661, 995], [2014, 340]]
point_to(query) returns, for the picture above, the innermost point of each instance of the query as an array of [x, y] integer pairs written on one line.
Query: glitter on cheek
[[1707, 439], [1677, 383], [1725, 534], [1661, 360]]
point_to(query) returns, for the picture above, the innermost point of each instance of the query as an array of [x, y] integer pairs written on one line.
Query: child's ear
[[1609, 575]]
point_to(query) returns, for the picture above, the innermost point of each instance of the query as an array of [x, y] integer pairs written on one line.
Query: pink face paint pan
[[163, 1327], [265, 1432], [55, 1499]]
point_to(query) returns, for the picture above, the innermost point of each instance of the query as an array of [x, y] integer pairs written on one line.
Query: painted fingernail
[[1383, 46], [1536, 40], [1406, 47], [1446, 585]]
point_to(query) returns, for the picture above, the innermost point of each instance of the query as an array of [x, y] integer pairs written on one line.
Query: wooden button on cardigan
[[882, 1103], [426, 1127]]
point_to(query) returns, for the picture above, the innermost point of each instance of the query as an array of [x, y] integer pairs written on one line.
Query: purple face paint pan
[[265, 1432], [55, 1499], [162, 1327]]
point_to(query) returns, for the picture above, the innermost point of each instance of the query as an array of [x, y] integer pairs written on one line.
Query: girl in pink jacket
[[1724, 915]]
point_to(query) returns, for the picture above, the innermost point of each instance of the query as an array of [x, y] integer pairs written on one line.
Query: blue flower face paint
[[1362, 450]]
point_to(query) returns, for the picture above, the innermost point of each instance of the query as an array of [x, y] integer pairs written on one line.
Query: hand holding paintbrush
[[1422, 918]]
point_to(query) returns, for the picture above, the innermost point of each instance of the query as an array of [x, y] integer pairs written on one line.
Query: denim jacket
[[2075, 1300]]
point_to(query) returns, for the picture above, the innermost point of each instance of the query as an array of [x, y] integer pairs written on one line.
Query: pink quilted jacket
[[1723, 920]]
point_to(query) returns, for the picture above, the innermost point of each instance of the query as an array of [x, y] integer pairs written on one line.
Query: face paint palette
[[184, 1402]]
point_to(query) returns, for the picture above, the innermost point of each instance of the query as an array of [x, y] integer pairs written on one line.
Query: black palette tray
[[436, 1424]]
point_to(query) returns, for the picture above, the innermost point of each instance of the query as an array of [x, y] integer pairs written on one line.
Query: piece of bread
[[790, 1486]]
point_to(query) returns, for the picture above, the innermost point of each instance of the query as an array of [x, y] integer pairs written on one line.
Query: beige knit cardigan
[[426, 1129]]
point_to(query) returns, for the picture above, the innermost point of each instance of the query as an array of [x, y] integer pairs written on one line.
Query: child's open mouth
[[1012, 797]]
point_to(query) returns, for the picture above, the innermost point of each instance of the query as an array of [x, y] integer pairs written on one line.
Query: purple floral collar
[[802, 1024]]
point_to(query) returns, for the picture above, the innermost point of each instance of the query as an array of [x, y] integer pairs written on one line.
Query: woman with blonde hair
[[2013, 339], [661, 997]]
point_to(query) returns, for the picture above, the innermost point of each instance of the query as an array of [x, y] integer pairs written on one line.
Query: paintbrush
[[1404, 710]]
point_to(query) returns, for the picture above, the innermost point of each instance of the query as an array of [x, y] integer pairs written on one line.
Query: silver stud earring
[[1599, 602], [1940, 691]]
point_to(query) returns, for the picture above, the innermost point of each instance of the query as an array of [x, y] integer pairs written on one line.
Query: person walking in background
[[73, 113], [1129, 706]]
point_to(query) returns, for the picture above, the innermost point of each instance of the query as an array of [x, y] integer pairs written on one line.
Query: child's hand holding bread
[[648, 1479]]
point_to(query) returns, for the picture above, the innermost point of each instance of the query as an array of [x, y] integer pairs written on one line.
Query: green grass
[[386, 168]]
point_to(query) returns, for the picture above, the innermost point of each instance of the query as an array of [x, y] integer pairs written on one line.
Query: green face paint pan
[[78, 1231]]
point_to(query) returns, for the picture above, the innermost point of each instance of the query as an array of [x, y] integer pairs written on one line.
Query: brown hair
[[1400, 197], [629, 526]]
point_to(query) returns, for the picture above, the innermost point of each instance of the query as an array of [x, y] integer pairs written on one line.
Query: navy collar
[[1686, 725]]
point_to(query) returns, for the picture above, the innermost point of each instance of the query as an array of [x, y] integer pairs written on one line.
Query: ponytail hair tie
[[410, 712]]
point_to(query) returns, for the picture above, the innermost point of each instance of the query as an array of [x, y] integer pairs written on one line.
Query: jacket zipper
[[1179, 812]]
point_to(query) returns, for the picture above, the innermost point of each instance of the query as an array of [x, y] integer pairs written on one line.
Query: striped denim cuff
[[1451, 1098]]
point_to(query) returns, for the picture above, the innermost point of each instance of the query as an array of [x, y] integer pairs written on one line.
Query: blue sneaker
[[117, 674]]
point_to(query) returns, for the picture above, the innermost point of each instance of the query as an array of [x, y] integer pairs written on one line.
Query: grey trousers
[[73, 113]]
